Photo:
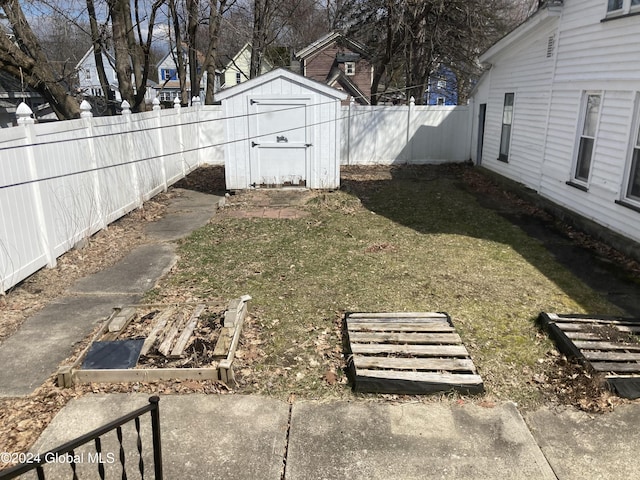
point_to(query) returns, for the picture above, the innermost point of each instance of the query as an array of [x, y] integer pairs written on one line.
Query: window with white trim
[[633, 188], [622, 7], [238, 78], [349, 68], [507, 120], [587, 139]]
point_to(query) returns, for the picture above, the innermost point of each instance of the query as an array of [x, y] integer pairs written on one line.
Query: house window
[[238, 78], [633, 190], [587, 137], [87, 74], [507, 120], [442, 84], [166, 74], [350, 68], [621, 7], [440, 101]]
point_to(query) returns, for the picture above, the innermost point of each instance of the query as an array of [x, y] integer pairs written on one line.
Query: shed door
[[279, 142]]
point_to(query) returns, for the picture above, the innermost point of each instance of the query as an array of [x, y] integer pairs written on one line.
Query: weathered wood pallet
[[608, 345], [409, 353]]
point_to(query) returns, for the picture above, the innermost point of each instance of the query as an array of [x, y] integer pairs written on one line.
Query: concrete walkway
[[59, 326], [249, 437]]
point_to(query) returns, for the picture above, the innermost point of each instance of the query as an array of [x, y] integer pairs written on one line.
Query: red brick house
[[340, 63]]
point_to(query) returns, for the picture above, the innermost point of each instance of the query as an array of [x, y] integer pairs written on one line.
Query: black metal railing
[[66, 453]]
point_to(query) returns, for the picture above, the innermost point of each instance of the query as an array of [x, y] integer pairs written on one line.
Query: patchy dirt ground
[[23, 419]]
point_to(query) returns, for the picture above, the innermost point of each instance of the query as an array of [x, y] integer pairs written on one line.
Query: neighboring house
[[559, 109], [168, 82], [340, 63], [442, 88], [89, 83], [12, 93], [237, 69]]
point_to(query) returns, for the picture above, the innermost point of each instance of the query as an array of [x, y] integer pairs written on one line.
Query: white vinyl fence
[[63, 181], [405, 134]]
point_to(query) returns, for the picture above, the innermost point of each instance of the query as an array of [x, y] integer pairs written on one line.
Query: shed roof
[[274, 75]]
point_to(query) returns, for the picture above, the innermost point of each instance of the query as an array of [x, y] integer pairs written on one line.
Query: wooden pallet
[[608, 345], [409, 353]]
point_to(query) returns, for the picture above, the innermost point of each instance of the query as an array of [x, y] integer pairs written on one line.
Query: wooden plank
[[612, 356], [224, 342], [398, 315], [160, 323], [586, 345], [417, 383], [449, 378], [122, 319], [419, 350], [616, 367], [578, 327], [400, 327], [186, 333], [165, 346], [145, 374], [632, 322], [416, 338], [586, 336], [436, 364]]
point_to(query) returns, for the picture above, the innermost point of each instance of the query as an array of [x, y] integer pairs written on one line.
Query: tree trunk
[[96, 40], [29, 61], [215, 19]]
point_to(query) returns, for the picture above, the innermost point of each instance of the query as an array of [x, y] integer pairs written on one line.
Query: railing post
[[23, 112], [157, 441]]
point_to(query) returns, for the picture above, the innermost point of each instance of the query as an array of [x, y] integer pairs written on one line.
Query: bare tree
[[417, 36], [22, 56]]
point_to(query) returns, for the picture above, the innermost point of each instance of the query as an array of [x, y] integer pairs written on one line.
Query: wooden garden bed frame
[[226, 347]]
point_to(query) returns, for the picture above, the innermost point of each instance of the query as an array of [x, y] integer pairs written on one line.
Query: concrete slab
[[411, 441], [187, 212], [134, 274], [33, 353], [203, 436], [581, 445]]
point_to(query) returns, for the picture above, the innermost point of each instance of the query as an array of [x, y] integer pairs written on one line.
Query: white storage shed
[[282, 129]]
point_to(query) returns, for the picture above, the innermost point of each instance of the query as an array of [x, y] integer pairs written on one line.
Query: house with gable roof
[[339, 62], [558, 109]]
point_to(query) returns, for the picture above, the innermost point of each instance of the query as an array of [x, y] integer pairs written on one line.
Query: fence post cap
[[154, 399], [85, 109], [156, 104], [176, 103], [412, 100], [23, 112], [126, 107]]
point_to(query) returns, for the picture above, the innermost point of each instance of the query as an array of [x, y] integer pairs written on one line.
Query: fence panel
[[406, 134], [63, 181]]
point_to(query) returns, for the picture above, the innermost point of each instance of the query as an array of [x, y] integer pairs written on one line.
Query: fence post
[[351, 105], [135, 180], [409, 144], [197, 104], [85, 113], [163, 159], [23, 112], [178, 109]]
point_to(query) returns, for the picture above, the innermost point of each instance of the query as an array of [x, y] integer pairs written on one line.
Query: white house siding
[[525, 70], [600, 57], [591, 55]]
